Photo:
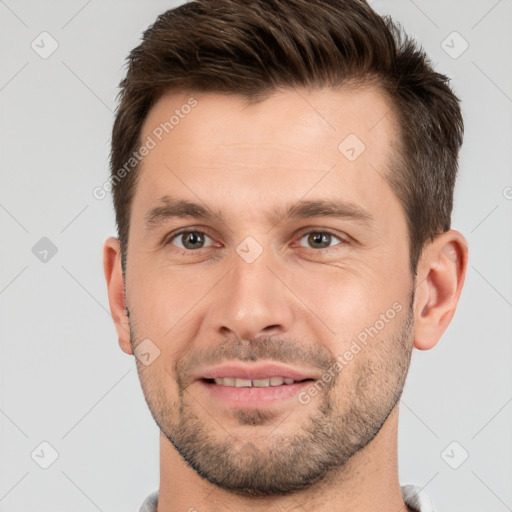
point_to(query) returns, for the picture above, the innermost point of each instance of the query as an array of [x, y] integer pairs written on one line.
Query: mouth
[[254, 383], [236, 393], [249, 387]]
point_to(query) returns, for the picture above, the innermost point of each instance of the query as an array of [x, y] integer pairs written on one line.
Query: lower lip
[[252, 397]]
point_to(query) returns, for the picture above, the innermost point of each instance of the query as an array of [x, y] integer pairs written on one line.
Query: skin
[[245, 161]]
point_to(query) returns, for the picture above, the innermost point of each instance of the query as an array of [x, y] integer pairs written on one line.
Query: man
[[283, 176]]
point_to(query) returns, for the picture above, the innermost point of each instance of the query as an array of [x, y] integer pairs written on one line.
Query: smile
[[256, 383]]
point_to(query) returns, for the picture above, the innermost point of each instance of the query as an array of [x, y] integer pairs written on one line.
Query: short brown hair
[[254, 48]]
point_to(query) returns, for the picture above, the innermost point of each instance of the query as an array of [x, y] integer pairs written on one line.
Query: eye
[[319, 240], [191, 240]]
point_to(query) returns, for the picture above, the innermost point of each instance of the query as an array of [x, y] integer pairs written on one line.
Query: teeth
[[243, 383], [257, 383], [261, 383]]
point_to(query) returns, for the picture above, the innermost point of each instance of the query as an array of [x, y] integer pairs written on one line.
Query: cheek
[[165, 298], [350, 298]]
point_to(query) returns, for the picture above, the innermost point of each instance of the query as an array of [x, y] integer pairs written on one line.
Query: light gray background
[[63, 378]]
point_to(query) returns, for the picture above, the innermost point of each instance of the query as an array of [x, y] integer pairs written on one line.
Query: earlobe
[[115, 288], [441, 274]]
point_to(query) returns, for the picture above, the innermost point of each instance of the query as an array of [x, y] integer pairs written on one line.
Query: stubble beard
[[325, 438]]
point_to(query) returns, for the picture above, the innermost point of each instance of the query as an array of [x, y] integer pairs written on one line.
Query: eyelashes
[[190, 238], [193, 240], [325, 237]]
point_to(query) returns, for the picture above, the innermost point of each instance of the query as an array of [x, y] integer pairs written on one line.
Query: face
[[268, 263]]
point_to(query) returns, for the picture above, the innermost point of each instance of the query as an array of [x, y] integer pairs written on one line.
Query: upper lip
[[255, 371]]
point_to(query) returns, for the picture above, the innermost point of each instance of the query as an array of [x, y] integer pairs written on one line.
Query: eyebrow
[[323, 208], [170, 208]]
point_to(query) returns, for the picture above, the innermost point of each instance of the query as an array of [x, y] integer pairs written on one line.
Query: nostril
[[271, 327]]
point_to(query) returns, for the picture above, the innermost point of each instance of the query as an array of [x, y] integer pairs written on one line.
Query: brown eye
[[319, 240], [190, 240]]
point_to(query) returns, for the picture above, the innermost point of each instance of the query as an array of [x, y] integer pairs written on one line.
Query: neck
[[369, 481]]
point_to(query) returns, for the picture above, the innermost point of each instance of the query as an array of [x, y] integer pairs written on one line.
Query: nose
[[252, 301]]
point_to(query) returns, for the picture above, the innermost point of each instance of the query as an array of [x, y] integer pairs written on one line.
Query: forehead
[[290, 143]]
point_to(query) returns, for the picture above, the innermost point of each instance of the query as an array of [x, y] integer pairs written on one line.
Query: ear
[[440, 277], [115, 288]]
